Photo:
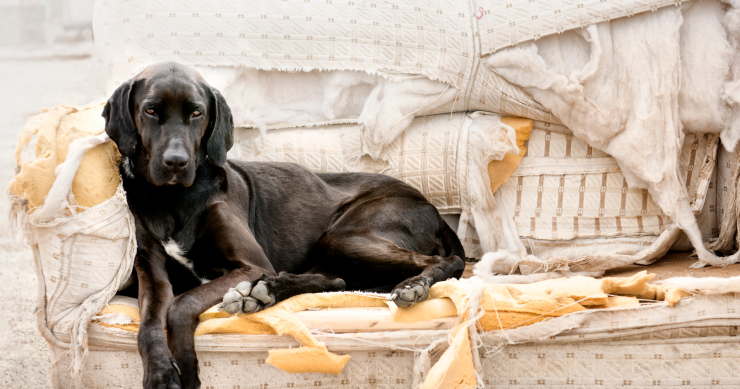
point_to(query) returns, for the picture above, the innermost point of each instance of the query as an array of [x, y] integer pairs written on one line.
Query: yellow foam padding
[[313, 355], [455, 368], [97, 178], [425, 310], [128, 310], [500, 171], [307, 360], [618, 302], [213, 321], [233, 325], [674, 295], [511, 306]]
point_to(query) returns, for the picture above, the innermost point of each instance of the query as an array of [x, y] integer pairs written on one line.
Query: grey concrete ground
[[26, 85]]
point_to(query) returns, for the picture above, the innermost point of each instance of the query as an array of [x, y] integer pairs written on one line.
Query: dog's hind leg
[[366, 261]]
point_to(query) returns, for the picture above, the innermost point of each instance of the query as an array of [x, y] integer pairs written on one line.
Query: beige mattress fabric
[[566, 193]]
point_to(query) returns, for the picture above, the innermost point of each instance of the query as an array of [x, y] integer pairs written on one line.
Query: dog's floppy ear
[[221, 129], [119, 124]]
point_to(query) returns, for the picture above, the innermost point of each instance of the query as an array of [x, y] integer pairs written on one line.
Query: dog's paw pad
[[232, 302], [262, 293], [247, 298], [411, 292], [251, 305], [244, 288]]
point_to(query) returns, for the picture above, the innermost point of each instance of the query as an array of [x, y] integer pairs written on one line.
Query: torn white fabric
[[705, 64], [384, 104], [82, 257], [731, 96], [705, 285], [489, 139], [113, 318], [616, 86]]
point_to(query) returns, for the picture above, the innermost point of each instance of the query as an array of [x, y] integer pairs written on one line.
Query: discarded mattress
[[652, 338], [379, 65]]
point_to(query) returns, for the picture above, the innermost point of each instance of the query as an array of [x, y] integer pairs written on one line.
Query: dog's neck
[[170, 211]]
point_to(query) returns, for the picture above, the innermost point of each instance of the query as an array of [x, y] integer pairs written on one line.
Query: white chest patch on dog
[[173, 250]]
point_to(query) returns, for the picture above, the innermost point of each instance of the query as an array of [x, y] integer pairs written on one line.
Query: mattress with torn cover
[[379, 65], [575, 308]]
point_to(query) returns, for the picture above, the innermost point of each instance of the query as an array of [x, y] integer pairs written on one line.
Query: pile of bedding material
[[632, 84]]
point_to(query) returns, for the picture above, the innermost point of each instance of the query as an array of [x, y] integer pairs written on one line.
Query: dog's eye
[[150, 111], [196, 113]]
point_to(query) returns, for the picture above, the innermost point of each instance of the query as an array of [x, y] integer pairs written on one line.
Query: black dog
[[205, 224]]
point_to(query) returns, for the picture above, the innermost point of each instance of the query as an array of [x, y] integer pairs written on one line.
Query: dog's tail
[[451, 242]]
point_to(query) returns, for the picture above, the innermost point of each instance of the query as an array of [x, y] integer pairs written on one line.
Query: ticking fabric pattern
[[435, 39], [430, 155], [432, 38], [248, 370], [564, 189]]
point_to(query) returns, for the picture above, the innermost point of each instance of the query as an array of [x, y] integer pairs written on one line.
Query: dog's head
[[167, 120]]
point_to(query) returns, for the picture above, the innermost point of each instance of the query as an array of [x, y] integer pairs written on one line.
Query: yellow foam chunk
[[313, 354], [128, 310], [674, 295], [425, 310], [97, 178], [500, 171], [618, 302], [233, 325], [307, 360], [214, 313], [455, 368], [509, 306]]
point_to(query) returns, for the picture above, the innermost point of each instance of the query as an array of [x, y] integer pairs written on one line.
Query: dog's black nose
[[176, 158]]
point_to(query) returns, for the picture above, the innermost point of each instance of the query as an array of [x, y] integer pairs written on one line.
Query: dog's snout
[[175, 157]]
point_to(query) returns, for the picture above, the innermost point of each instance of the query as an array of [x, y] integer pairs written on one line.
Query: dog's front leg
[[155, 298], [231, 240]]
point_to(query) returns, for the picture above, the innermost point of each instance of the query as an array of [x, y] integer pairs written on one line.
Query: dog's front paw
[[162, 375], [411, 291], [248, 299]]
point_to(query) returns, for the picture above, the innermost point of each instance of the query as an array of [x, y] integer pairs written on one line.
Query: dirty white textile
[[506, 23], [284, 64], [384, 105], [82, 256], [445, 157], [314, 63], [616, 85], [570, 204]]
